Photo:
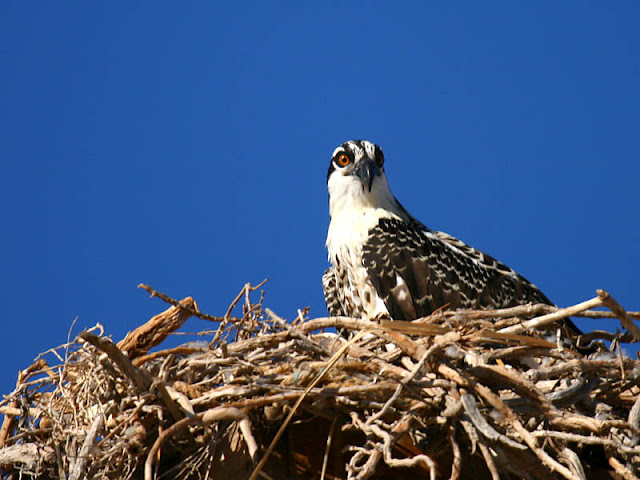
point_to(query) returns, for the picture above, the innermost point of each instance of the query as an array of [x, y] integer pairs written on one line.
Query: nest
[[460, 394]]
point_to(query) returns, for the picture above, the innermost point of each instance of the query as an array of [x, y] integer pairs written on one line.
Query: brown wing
[[415, 271]]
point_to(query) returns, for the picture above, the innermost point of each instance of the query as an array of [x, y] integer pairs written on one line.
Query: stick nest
[[460, 394]]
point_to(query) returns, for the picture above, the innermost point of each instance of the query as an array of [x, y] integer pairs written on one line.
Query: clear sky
[[186, 144]]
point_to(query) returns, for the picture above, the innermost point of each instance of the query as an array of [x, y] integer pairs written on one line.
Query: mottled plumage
[[385, 262]]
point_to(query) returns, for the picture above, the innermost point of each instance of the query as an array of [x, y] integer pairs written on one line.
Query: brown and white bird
[[386, 263]]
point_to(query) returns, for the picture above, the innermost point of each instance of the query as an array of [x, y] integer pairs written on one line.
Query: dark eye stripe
[[353, 148], [379, 156]]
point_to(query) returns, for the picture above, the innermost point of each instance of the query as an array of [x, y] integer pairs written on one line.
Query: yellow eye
[[343, 160]]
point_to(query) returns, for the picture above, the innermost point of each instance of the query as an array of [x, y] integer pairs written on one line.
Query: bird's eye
[[343, 160]]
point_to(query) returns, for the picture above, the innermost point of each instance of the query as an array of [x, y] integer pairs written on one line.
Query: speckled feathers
[[386, 262]]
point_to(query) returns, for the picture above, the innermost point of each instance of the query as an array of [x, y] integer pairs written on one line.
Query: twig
[[409, 377], [553, 317], [456, 464], [315, 381], [579, 365], [245, 428], [573, 460], [521, 311], [488, 459], [154, 332], [619, 468], [620, 312], [227, 316], [175, 411], [192, 309], [585, 439], [62, 475], [345, 323], [415, 391], [327, 448], [24, 455], [207, 417], [510, 417], [83, 456], [296, 333], [164, 353], [483, 426], [139, 379], [23, 376], [402, 427]]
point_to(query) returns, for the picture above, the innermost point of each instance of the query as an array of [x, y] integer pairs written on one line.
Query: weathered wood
[[447, 396], [154, 332]]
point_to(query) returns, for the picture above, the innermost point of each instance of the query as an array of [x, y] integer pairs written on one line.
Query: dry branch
[[154, 332], [458, 394]]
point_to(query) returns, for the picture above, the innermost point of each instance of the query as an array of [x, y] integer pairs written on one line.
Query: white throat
[[354, 211]]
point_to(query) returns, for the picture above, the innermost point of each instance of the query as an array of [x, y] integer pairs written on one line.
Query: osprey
[[386, 263]]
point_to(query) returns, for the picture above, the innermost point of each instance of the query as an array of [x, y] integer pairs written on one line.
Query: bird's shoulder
[[421, 234], [437, 269]]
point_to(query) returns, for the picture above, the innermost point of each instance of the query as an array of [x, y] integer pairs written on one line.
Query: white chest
[[348, 232]]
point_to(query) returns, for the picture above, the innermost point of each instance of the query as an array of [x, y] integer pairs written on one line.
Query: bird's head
[[356, 178]]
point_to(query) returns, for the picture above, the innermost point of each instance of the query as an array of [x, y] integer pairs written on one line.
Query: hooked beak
[[366, 172]]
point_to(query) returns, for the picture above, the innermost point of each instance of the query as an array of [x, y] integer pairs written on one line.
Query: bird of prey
[[386, 263]]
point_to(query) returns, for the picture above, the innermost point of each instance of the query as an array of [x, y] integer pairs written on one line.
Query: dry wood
[[23, 376], [154, 332], [83, 456], [25, 455], [458, 394], [141, 381], [620, 313], [550, 318]]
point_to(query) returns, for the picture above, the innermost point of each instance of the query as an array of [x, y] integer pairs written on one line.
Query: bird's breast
[[349, 231]]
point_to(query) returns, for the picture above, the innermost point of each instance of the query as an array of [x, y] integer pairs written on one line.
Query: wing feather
[[415, 271], [329, 285]]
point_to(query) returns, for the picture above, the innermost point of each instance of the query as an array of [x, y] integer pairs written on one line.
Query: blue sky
[[186, 145]]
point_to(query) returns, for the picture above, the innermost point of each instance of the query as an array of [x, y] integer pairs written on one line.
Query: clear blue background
[[185, 145]]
